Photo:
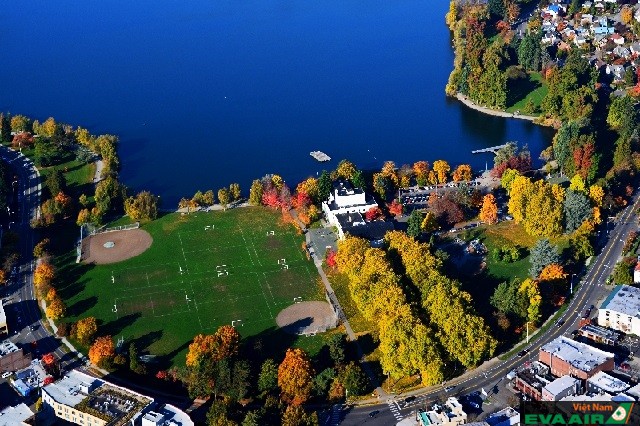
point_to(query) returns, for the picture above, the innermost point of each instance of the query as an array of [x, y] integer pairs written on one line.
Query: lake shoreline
[[465, 100]]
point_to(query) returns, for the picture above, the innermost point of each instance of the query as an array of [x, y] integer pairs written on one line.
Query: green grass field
[[202, 271], [535, 90]]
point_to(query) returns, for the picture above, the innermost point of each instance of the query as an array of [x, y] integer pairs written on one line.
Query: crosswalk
[[393, 407], [336, 411]]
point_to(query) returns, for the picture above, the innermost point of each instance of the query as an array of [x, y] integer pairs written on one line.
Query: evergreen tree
[[577, 209], [5, 128], [324, 185], [542, 254], [414, 223]]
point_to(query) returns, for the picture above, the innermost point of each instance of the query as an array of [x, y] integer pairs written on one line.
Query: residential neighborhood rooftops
[[608, 383], [560, 384], [578, 355], [623, 299], [6, 347]]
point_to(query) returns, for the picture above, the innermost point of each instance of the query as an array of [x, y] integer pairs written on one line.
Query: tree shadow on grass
[[519, 89], [271, 343], [82, 306], [143, 342], [115, 327]]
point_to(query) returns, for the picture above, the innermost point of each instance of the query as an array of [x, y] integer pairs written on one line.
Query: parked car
[[449, 388], [523, 352], [374, 413], [560, 323], [6, 374]]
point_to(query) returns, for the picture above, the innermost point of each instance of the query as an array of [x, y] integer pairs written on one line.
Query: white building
[[84, 400], [448, 414], [344, 199], [561, 387], [505, 417], [4, 329], [602, 383], [621, 310], [12, 416]]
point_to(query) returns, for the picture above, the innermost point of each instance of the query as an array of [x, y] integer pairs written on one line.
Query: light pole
[[528, 331], [572, 275]]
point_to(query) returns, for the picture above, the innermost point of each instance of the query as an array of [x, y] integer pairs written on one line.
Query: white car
[[6, 374]]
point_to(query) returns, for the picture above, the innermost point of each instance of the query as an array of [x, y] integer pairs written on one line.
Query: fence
[[335, 306], [116, 228]]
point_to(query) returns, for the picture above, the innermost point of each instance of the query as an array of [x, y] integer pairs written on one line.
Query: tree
[[421, 170], [109, 194], [353, 379], [322, 381], [84, 217], [55, 182], [441, 168], [295, 377], [577, 209], [253, 418], [224, 197], [626, 15], [508, 300], [309, 187], [337, 347], [462, 173], [20, 123], [553, 272], [414, 224], [577, 184], [5, 128], [268, 377], [294, 415], [346, 169], [395, 208], [542, 254], [41, 249], [324, 185], [101, 350], [222, 344], [383, 185], [530, 288], [529, 52], [622, 273], [373, 213], [43, 274], [56, 309], [358, 180], [218, 414], [596, 194], [143, 206], [234, 191], [86, 328], [351, 253], [429, 223], [489, 210], [496, 7], [255, 193]]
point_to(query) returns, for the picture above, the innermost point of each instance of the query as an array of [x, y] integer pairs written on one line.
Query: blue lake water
[[208, 92]]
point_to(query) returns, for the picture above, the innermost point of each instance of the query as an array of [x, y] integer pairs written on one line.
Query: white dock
[[492, 149], [320, 156]]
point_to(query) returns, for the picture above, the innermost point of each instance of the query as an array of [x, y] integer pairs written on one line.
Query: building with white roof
[[603, 383], [448, 414], [84, 400], [4, 328], [621, 310], [634, 392], [561, 387], [505, 417], [568, 357], [587, 398], [12, 358], [344, 198], [18, 415]]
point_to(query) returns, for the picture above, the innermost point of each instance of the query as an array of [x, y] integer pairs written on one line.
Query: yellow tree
[[462, 173], [544, 212], [350, 254], [86, 328], [429, 223], [577, 184], [101, 350], [346, 169], [3, 277], [530, 288], [452, 14], [389, 170], [43, 274], [48, 128], [596, 193], [277, 181], [51, 295], [234, 191], [626, 15], [56, 309], [421, 170], [224, 197], [442, 169], [295, 377], [309, 186], [84, 216], [489, 210], [519, 195]]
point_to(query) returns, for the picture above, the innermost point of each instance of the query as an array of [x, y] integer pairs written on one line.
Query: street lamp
[[572, 275], [528, 331]]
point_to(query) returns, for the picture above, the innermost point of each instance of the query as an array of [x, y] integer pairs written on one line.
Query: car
[[374, 413], [33, 327], [523, 352], [449, 388], [574, 332], [592, 306], [6, 374], [474, 404], [409, 399], [560, 323]]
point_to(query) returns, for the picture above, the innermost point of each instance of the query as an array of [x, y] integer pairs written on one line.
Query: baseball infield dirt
[[127, 244], [306, 317]]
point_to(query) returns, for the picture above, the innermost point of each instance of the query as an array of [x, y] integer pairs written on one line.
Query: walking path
[[462, 98], [97, 177], [381, 393]]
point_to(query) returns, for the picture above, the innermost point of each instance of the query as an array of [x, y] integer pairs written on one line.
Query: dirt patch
[[127, 244], [306, 318]]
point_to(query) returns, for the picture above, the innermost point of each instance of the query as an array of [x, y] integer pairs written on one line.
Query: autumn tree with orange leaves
[[102, 350], [220, 345], [462, 173], [295, 377], [43, 274], [86, 328], [56, 309], [489, 210]]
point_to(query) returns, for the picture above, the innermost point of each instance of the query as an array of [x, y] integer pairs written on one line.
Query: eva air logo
[[621, 415]]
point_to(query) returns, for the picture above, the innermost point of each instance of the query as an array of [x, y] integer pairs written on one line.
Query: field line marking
[[266, 281], [264, 295], [196, 305], [183, 254], [247, 244]]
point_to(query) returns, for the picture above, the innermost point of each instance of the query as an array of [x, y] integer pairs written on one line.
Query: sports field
[[203, 270]]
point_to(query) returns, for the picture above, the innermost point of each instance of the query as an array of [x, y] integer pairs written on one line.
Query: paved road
[[592, 290]]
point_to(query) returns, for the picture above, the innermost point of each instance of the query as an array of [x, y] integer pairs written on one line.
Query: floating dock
[[320, 156], [493, 149]]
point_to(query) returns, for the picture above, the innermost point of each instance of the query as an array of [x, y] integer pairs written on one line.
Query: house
[[602, 383], [622, 52], [84, 400], [550, 37], [346, 199], [531, 380], [635, 48], [505, 417], [617, 39], [621, 310], [599, 334], [586, 5], [636, 273], [354, 224], [18, 415], [617, 71], [552, 10], [586, 19], [580, 40], [565, 356], [637, 15], [12, 358], [561, 387]]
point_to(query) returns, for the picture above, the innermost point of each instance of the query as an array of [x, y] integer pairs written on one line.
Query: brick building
[[566, 357]]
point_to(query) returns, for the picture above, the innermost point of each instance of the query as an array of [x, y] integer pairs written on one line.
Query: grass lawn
[[194, 279], [534, 89]]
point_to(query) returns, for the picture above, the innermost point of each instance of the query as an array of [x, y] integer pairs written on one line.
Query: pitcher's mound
[[116, 246], [307, 318]]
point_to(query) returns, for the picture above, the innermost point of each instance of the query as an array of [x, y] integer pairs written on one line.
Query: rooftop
[[608, 383], [6, 347], [344, 188], [3, 316], [505, 417], [634, 391], [560, 384], [578, 355], [353, 224], [11, 416], [586, 398], [624, 299], [601, 332]]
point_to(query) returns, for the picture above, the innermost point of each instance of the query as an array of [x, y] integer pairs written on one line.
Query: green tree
[[322, 381], [240, 375], [218, 414], [358, 180], [253, 418], [622, 273], [529, 51], [46, 153], [337, 346], [268, 377], [508, 176], [255, 193], [542, 254], [134, 363], [577, 209], [623, 115], [5, 128], [353, 379], [234, 190], [496, 7], [414, 224], [55, 183], [324, 185]]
